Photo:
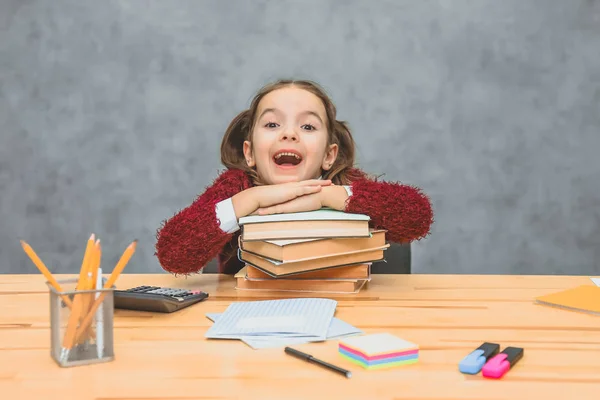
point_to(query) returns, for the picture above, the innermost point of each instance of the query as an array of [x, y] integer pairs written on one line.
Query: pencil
[[78, 304], [125, 257], [92, 277], [91, 270], [87, 257], [89, 261], [44, 270], [96, 265]]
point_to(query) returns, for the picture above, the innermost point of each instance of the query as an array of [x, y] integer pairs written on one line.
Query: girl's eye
[[308, 127], [271, 125]]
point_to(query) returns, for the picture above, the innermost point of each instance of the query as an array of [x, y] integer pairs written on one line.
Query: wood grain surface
[[165, 356]]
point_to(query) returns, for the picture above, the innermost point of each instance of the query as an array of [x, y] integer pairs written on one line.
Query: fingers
[[283, 208], [304, 190], [270, 210], [263, 211], [314, 182]]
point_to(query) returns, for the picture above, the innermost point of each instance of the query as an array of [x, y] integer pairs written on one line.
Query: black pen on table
[[309, 358]]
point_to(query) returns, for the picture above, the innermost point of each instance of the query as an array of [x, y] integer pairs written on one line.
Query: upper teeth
[[287, 154]]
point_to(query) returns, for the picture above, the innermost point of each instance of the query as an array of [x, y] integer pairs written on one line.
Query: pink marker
[[499, 365]]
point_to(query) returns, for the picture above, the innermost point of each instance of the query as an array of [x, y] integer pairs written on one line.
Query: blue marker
[[473, 363]]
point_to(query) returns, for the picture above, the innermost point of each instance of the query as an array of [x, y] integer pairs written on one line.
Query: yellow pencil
[[125, 257], [91, 265], [109, 283], [91, 271], [44, 270], [78, 303], [85, 274], [96, 264], [87, 259]]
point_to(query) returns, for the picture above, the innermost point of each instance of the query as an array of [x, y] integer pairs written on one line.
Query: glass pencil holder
[[81, 324]]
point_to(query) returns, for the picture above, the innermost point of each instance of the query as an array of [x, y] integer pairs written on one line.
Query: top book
[[323, 223]]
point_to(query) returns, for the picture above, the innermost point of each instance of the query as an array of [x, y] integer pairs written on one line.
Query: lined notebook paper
[[308, 317], [337, 329]]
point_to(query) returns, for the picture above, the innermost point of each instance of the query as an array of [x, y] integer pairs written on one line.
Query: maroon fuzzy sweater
[[192, 237]]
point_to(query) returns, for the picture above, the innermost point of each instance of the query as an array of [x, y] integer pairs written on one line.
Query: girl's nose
[[289, 135]]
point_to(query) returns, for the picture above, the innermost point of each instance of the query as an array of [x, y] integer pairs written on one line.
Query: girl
[[286, 153]]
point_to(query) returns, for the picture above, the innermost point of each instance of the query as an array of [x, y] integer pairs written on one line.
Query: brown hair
[[240, 129]]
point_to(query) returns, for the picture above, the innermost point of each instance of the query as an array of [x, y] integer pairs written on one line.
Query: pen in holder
[[81, 324]]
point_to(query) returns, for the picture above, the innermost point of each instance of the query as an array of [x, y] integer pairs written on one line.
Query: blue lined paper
[[289, 318]]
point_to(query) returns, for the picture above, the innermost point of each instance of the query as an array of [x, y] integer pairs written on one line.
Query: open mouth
[[287, 158]]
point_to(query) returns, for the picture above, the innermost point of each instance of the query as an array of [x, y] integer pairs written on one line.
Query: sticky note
[[379, 350]]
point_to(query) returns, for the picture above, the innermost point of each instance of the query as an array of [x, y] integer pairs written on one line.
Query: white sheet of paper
[[337, 329], [596, 281], [302, 317]]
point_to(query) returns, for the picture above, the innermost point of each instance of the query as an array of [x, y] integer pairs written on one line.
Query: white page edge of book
[[324, 214], [348, 253], [299, 234], [360, 282], [287, 242], [317, 269]]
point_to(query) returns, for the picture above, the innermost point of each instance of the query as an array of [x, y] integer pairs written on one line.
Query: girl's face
[[289, 138]]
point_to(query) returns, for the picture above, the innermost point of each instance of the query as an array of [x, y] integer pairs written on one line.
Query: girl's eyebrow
[[312, 113], [276, 111], [267, 110]]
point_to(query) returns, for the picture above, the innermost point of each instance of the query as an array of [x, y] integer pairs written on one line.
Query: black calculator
[[157, 299]]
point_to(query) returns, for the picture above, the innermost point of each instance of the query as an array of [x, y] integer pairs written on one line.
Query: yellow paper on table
[[585, 298]]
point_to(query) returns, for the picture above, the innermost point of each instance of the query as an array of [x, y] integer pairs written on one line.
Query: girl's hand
[[307, 202], [331, 196], [249, 200]]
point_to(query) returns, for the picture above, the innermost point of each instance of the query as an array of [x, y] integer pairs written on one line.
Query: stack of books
[[318, 251]]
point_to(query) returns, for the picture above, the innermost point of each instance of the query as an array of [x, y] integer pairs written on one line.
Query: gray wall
[[111, 115]]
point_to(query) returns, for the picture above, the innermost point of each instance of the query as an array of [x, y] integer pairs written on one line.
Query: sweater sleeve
[[404, 211], [186, 242]]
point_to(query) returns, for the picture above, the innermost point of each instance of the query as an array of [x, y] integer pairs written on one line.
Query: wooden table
[[165, 356]]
